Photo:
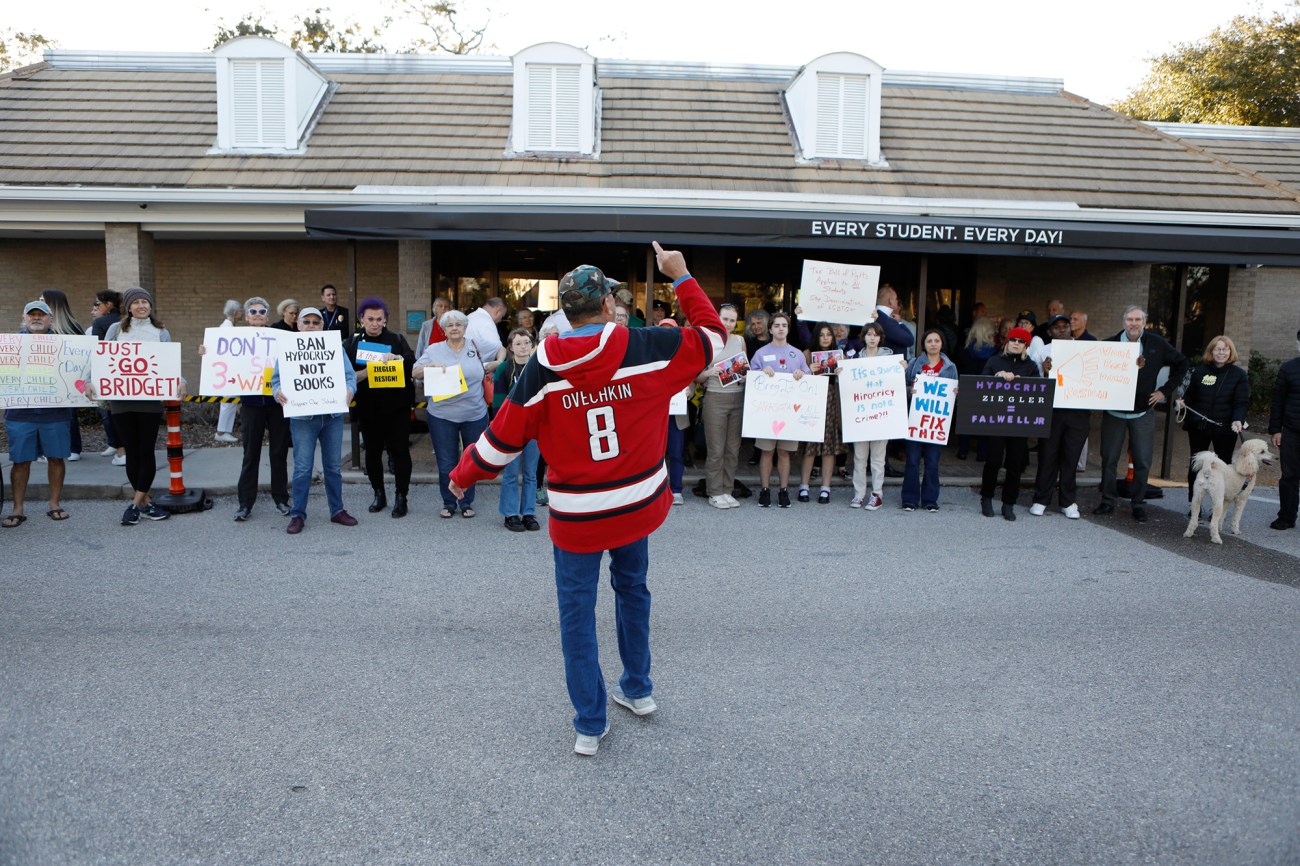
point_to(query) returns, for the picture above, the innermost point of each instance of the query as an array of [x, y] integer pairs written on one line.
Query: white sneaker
[[718, 502], [1072, 512], [1037, 510], [641, 706], [74, 457], [855, 502], [677, 499], [108, 452], [731, 500], [226, 437], [874, 502], [119, 460], [589, 744]]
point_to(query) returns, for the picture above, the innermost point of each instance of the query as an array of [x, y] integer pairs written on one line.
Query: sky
[[1100, 49]]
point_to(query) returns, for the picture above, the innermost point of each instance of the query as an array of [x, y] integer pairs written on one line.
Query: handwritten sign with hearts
[[779, 407], [44, 370]]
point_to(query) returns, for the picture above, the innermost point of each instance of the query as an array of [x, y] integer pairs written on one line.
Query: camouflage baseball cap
[[583, 283]]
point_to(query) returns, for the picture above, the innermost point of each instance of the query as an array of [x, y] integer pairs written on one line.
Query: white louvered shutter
[[841, 115], [257, 97], [553, 107]]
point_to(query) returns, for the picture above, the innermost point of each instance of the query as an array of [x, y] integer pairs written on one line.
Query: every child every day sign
[[235, 360], [873, 398], [136, 371], [781, 407], [311, 374], [44, 370], [832, 292]]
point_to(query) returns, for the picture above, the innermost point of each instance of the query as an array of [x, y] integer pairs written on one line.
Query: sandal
[[12, 520], [467, 513], [56, 514], [446, 512]]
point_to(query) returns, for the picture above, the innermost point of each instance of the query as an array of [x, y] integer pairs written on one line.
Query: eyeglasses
[[1014, 340], [255, 312]]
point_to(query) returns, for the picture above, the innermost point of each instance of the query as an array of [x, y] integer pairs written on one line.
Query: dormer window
[[834, 103], [554, 101], [268, 96]]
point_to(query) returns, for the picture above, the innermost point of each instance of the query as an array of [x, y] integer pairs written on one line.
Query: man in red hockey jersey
[[596, 400]]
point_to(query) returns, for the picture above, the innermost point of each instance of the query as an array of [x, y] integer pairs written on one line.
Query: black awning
[[1053, 239]]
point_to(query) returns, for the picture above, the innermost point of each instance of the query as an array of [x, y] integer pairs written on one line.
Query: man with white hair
[[44, 431], [482, 334], [1284, 428]]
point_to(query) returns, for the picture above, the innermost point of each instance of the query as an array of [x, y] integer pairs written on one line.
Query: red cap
[[1019, 334]]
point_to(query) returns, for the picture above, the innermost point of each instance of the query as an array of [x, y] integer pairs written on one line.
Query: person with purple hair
[[383, 413]]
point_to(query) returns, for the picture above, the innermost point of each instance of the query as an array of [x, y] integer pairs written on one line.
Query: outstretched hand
[[671, 262], [456, 490]]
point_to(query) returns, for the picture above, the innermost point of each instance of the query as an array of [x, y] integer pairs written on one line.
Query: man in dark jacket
[[1284, 427], [1140, 423]]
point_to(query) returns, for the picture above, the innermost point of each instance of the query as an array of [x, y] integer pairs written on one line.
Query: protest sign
[[1094, 375], [678, 404], [44, 370], [873, 398], [235, 360], [730, 370], [831, 292], [443, 382], [781, 407], [311, 373], [385, 374], [992, 406], [367, 351], [931, 411], [136, 371]]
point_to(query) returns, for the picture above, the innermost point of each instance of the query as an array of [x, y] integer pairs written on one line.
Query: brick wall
[[1100, 289], [29, 266], [1276, 311]]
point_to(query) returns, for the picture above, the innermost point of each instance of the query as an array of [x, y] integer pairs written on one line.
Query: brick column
[[129, 255], [414, 281]]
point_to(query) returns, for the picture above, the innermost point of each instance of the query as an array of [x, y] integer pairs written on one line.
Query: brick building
[[257, 170]]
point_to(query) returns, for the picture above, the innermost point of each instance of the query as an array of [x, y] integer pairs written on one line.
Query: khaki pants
[[721, 415], [861, 452]]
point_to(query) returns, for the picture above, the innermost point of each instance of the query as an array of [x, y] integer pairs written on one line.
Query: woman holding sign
[[822, 357], [136, 422], [455, 422], [778, 356], [1013, 363], [871, 453], [931, 362]]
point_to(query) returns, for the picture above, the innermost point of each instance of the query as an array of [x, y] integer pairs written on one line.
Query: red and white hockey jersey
[[598, 407]]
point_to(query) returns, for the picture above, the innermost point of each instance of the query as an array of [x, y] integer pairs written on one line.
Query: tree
[[249, 25], [21, 49], [446, 34], [312, 33], [1245, 73]]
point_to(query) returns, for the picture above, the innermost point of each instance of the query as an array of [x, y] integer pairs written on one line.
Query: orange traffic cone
[[178, 499]]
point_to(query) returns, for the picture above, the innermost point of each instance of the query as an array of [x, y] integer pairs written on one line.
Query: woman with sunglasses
[[1012, 363]]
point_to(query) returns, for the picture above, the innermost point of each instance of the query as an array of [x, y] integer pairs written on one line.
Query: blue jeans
[[449, 439], [914, 488], [307, 432], [676, 455], [577, 576], [519, 484]]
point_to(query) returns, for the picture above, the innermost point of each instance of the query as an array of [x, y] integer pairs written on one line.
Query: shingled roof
[[1271, 151], [155, 125]]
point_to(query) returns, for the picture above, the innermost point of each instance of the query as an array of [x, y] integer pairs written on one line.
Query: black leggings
[[138, 433]]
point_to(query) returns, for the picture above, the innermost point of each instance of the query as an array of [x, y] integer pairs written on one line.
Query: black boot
[[399, 505], [1008, 511], [379, 503], [986, 506]]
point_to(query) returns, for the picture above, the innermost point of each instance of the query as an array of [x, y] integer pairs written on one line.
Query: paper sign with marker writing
[[1094, 375], [136, 371], [386, 374], [44, 370], [833, 292], [781, 407], [930, 418], [311, 373], [443, 382], [873, 399], [235, 360], [679, 403], [372, 351]]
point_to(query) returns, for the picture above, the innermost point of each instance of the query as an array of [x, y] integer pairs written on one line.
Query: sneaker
[[131, 516], [542, 498], [732, 502], [719, 502], [241, 514], [226, 437], [283, 508], [783, 498], [153, 512], [824, 497], [1037, 510], [1071, 512], [74, 457], [803, 494], [108, 452], [589, 744], [908, 507], [119, 460], [677, 499], [765, 498], [874, 502], [855, 502], [641, 706], [932, 509]]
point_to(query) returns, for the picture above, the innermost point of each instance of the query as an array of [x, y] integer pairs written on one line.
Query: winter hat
[[1019, 334]]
